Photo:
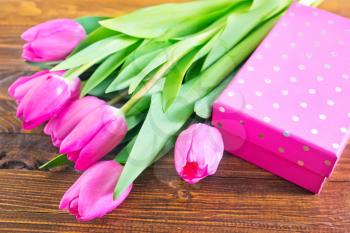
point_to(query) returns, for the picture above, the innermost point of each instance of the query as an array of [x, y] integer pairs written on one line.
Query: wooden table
[[240, 197]]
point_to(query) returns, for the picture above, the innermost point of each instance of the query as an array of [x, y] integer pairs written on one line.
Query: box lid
[[292, 96]]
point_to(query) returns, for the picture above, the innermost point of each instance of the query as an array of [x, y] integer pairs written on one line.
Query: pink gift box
[[288, 108]]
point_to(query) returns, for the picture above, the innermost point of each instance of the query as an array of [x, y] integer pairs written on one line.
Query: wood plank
[[225, 203]]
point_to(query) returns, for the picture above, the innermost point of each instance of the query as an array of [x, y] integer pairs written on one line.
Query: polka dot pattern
[[296, 87]]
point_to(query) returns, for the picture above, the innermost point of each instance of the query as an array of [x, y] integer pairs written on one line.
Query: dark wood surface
[[239, 198]]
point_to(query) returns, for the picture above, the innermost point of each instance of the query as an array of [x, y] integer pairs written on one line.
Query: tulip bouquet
[[132, 85]]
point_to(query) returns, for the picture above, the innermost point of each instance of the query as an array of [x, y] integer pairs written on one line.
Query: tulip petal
[[96, 194], [52, 40], [108, 137], [66, 120], [86, 129]]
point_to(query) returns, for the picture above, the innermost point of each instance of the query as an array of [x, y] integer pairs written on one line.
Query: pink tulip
[[87, 131], [63, 123], [198, 152], [91, 196], [52, 40], [42, 95]]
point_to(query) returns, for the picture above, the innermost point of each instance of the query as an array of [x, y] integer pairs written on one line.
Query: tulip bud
[[42, 95], [63, 123], [91, 196], [87, 131], [52, 40], [198, 152]]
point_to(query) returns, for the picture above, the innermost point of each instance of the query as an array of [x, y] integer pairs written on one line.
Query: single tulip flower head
[[91, 196], [52, 40], [42, 95], [198, 152], [87, 130]]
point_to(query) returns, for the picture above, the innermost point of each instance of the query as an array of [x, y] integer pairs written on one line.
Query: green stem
[[76, 72], [146, 87], [118, 97]]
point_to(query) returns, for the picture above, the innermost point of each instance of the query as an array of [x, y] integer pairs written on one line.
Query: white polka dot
[[293, 79], [343, 130], [323, 32], [306, 148], [300, 34], [323, 117], [330, 102], [338, 89], [286, 133], [276, 68], [250, 68], [249, 107], [335, 145], [231, 94], [307, 24], [241, 81], [303, 105], [349, 114], [258, 93], [222, 109], [345, 76], [330, 22], [293, 45], [259, 56], [334, 54], [295, 118], [284, 56], [267, 81], [276, 105], [267, 45], [308, 55], [327, 163], [317, 44], [267, 119], [285, 92], [315, 13], [320, 78], [281, 149], [284, 24], [327, 66], [341, 42], [312, 91], [291, 14], [314, 131], [301, 67]]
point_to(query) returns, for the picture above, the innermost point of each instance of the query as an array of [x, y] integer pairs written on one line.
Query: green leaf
[[173, 54], [160, 126], [194, 24], [143, 104], [97, 35], [203, 107], [175, 77], [106, 68], [153, 22], [123, 155], [137, 62], [90, 23], [100, 89], [43, 65], [96, 51], [133, 121], [55, 162], [234, 32]]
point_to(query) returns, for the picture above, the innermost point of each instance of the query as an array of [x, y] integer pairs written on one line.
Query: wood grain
[[239, 198]]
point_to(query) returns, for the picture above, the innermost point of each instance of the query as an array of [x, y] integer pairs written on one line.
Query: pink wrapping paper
[[290, 103]]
